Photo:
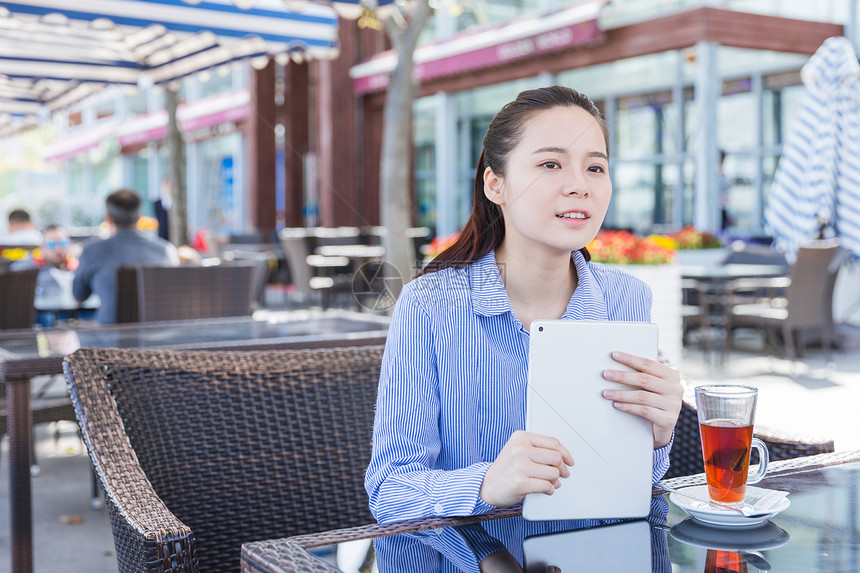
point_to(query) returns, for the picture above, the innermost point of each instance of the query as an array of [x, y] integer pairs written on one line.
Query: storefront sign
[[485, 50]]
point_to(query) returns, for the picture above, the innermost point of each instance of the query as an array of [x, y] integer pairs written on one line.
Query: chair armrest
[[147, 536]]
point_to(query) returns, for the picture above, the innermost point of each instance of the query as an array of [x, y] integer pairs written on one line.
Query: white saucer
[[712, 515]]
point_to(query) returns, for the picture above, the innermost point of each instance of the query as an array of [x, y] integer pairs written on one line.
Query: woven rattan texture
[[126, 295], [237, 447], [280, 556], [181, 293], [17, 294], [686, 454]]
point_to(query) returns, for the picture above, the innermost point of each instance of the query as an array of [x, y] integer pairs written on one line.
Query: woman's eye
[[550, 164], [597, 169]]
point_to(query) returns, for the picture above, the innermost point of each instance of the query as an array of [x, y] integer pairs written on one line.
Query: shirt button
[[439, 509]]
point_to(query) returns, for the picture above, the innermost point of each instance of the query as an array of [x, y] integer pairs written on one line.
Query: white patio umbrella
[[816, 188], [54, 52]]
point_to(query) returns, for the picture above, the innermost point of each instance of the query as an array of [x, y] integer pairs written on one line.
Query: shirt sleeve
[[403, 479]]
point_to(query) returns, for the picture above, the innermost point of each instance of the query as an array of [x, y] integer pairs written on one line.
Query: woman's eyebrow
[[562, 150], [550, 149]]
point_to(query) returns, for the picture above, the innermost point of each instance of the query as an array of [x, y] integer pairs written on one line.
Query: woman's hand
[[658, 398], [529, 463]]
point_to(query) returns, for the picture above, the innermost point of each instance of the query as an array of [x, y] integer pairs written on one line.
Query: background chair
[[686, 453], [807, 302], [198, 452], [126, 295], [181, 293], [17, 297]]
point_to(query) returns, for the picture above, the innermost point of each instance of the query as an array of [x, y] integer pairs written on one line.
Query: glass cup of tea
[[726, 415]]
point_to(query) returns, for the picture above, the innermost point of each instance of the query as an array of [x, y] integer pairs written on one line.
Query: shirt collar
[[587, 302], [489, 297]]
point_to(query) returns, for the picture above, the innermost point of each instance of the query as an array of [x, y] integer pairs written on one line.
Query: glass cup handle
[[763, 457]]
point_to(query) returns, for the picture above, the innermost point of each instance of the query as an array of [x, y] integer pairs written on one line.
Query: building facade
[[681, 84]]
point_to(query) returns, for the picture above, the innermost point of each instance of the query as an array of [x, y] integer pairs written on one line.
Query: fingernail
[[608, 394], [609, 374], [618, 355]]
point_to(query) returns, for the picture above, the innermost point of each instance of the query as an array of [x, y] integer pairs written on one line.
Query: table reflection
[[515, 545]]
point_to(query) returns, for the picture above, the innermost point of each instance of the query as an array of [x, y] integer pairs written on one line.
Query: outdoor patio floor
[[805, 397]]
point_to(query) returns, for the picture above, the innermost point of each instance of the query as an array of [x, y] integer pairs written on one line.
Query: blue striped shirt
[[452, 388]]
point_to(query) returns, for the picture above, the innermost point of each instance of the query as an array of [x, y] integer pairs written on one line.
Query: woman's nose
[[576, 185]]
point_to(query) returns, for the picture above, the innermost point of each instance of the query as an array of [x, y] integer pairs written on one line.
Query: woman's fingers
[[529, 463], [655, 395]]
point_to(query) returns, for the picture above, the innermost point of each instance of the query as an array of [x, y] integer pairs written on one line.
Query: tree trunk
[[395, 185], [177, 214]]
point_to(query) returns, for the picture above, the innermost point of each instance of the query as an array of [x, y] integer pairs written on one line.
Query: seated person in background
[[56, 264], [22, 231], [99, 260]]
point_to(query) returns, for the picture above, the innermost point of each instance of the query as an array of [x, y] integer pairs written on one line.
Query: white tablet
[[612, 450]]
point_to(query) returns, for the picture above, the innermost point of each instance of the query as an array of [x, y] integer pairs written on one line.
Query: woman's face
[[556, 191]]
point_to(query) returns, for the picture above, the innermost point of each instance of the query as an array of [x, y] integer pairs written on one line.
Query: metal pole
[[708, 84]]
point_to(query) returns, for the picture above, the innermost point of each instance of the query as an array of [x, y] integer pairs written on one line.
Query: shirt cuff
[[460, 493], [661, 460]]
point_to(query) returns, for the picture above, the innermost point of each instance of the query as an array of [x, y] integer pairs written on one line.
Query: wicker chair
[[17, 295], [126, 295], [687, 448], [807, 302], [198, 452]]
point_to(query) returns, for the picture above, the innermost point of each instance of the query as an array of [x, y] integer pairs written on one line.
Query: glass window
[[737, 115], [645, 125], [633, 195], [487, 12], [740, 171], [136, 103], [217, 204], [215, 83], [425, 161]]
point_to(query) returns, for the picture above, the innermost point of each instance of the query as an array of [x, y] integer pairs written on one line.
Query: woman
[[448, 437]]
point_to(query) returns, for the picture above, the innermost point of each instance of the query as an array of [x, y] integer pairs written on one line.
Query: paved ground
[[807, 397]]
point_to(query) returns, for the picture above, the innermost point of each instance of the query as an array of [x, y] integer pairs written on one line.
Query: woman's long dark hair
[[485, 228]]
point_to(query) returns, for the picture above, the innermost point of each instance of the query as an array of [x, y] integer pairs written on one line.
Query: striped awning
[[817, 181], [54, 52]]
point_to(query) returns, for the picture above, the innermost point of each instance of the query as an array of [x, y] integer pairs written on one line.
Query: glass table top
[[818, 532], [267, 328]]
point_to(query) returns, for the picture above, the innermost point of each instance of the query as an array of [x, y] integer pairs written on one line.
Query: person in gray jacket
[[96, 272]]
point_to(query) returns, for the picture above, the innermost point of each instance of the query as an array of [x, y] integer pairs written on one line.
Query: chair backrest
[[810, 294], [262, 263], [126, 295], [17, 297], [181, 293], [239, 446], [297, 245]]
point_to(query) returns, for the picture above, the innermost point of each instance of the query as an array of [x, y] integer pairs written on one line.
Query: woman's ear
[[493, 187]]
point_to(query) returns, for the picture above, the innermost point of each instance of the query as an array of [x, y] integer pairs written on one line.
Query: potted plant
[[693, 247], [653, 262]]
